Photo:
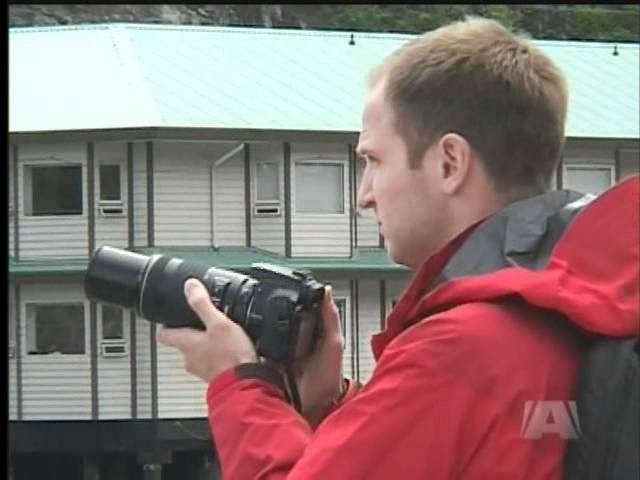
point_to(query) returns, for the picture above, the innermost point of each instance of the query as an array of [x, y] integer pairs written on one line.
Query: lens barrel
[[114, 276]]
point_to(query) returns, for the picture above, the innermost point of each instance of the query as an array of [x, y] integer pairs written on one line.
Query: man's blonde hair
[[493, 87]]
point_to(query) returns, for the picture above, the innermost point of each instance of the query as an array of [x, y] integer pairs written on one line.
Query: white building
[[222, 146]]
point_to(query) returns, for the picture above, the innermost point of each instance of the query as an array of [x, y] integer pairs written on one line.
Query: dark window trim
[[287, 198], [16, 204], [247, 194]]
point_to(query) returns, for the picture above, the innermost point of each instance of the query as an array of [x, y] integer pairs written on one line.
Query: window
[[267, 182], [110, 182], [53, 190], [341, 304], [267, 189], [113, 342], [593, 179], [58, 328], [110, 185], [319, 188], [112, 323]]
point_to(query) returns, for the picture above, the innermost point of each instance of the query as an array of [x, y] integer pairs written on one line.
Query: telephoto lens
[[154, 286], [277, 307]]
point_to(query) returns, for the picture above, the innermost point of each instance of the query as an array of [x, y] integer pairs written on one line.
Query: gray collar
[[522, 234]]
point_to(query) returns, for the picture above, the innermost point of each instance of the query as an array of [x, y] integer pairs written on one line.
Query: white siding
[[114, 377], [320, 235], [228, 202], [143, 367], [55, 387], [49, 236], [182, 191], [267, 232], [629, 163], [180, 395], [140, 238], [368, 324], [111, 230], [13, 379], [368, 234]]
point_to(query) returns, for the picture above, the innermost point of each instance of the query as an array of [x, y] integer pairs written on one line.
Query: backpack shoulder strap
[[608, 404]]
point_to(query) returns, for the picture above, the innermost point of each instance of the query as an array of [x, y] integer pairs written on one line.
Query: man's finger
[[330, 317], [178, 338], [200, 302]]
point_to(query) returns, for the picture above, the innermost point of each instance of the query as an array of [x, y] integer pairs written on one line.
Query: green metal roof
[[364, 260], [114, 76]]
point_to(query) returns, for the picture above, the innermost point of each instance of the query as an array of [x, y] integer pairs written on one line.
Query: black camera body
[[278, 307]]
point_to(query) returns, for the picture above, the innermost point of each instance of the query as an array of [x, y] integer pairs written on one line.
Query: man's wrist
[[262, 371], [317, 414]]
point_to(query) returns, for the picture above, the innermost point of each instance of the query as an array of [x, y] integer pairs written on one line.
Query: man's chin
[[397, 257]]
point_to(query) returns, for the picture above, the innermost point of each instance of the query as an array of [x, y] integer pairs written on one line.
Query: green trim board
[[365, 260], [46, 267]]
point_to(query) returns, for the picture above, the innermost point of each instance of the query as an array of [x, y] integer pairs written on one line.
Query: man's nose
[[365, 196]]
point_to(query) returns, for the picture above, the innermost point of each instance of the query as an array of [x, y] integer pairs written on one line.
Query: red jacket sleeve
[[435, 396]]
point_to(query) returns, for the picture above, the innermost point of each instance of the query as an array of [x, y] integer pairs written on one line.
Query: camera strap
[[273, 375], [294, 394]]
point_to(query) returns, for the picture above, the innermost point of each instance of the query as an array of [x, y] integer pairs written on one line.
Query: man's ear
[[456, 157]]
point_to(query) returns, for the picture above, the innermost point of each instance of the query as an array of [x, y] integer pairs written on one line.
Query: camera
[[278, 307]]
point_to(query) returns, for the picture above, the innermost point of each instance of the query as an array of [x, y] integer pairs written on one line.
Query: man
[[462, 131]]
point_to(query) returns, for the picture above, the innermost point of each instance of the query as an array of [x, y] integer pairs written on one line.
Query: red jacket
[[455, 365]]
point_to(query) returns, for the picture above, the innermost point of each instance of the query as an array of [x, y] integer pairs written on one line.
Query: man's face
[[408, 204]]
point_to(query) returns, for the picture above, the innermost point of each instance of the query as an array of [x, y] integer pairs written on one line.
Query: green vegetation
[[561, 22], [619, 23]]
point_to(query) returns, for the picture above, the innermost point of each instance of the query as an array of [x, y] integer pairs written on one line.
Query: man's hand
[[319, 377], [222, 346]]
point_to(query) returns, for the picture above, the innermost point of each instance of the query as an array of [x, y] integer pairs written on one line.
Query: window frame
[[27, 184], [110, 163], [30, 330], [319, 161], [123, 318], [256, 176], [588, 166]]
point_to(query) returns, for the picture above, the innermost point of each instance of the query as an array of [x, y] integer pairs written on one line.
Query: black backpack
[[608, 407]]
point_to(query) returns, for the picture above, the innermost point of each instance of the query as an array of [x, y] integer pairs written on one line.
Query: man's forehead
[[374, 111], [374, 101]]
